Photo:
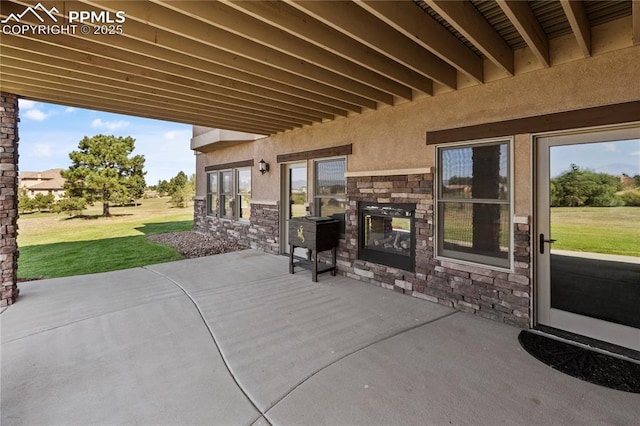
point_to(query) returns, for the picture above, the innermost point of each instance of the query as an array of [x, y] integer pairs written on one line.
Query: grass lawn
[[610, 230], [53, 245]]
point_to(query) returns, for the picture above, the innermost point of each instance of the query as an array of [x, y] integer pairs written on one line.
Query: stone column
[[8, 198]]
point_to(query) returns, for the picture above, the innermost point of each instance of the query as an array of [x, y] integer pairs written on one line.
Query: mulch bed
[[582, 363], [193, 244]]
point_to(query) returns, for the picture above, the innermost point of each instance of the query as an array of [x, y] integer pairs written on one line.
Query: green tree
[[460, 180], [631, 198], [25, 203], [70, 206], [181, 196], [579, 187], [43, 202], [163, 187], [103, 170], [178, 182]]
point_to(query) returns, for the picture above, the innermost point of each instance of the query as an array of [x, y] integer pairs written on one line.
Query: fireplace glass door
[[387, 234]]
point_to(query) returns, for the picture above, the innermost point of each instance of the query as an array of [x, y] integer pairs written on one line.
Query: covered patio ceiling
[[269, 66]]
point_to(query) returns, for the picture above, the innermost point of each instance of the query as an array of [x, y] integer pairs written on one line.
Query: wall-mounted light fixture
[[263, 166]]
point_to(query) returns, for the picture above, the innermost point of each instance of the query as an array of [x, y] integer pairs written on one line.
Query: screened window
[[474, 203], [229, 194], [331, 189]]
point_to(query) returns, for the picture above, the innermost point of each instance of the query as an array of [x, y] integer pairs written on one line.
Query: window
[[229, 194], [243, 198], [226, 194], [474, 203], [331, 189], [212, 193]]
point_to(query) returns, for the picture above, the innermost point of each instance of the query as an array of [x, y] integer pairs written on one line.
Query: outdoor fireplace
[[386, 234]]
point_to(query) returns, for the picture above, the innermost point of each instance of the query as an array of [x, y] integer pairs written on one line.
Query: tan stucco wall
[[239, 152], [199, 130], [394, 137], [523, 179]]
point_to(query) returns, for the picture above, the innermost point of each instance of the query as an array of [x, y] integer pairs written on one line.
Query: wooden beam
[[577, 17], [219, 62], [635, 14], [243, 69], [108, 90], [58, 49], [315, 153], [246, 26], [134, 103], [138, 40], [287, 18], [61, 98], [245, 163], [589, 117], [521, 16], [354, 22], [58, 65], [466, 19], [410, 20], [158, 16]]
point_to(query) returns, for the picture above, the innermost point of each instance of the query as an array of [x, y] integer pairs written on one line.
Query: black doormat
[[584, 364]]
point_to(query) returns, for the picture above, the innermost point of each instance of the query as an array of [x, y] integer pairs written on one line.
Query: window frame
[[232, 195], [474, 259], [212, 210], [226, 195], [239, 195]]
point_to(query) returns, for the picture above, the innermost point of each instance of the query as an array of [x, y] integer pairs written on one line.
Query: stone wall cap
[[392, 172], [265, 202]]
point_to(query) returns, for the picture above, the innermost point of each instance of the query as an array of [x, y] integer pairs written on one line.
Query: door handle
[[542, 241]]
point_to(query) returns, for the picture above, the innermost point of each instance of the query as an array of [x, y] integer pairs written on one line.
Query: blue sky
[[614, 157], [48, 133]]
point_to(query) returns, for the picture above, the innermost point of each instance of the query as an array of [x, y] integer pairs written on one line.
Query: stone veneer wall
[[496, 295], [8, 199], [411, 189], [262, 232]]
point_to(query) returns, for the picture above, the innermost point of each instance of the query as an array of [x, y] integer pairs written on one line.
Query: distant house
[[46, 182], [627, 180]]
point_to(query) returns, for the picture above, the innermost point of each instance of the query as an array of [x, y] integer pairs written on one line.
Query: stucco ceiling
[[269, 66]]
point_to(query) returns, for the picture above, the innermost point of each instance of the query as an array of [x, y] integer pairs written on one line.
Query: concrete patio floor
[[235, 340]]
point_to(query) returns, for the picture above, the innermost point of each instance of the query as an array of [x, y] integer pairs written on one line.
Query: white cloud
[[42, 150], [177, 134], [635, 153], [70, 109], [611, 147], [109, 125], [26, 104], [36, 114], [28, 109]]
